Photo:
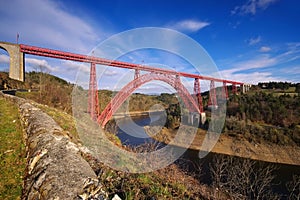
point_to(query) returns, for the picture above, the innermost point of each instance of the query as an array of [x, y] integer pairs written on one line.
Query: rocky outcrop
[[55, 168]]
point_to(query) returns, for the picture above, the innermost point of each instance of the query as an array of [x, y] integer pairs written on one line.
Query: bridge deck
[[91, 59]]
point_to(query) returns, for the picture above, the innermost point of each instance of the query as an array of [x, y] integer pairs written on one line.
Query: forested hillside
[[270, 112], [283, 110]]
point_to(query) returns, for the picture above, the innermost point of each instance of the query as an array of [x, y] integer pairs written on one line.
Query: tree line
[[278, 85], [264, 116]]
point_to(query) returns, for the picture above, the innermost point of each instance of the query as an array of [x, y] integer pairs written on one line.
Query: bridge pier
[[93, 101], [234, 89], [203, 117], [246, 87], [212, 95], [224, 91], [196, 118], [191, 118], [197, 93], [16, 57]]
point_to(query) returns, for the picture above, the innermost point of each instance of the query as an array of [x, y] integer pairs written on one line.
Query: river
[[190, 160]]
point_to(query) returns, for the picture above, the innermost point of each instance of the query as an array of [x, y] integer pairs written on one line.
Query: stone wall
[[55, 168]]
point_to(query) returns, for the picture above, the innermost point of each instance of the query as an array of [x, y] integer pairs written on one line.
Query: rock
[[116, 197]]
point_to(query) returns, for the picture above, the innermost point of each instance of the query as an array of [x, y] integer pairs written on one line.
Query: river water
[[190, 160]]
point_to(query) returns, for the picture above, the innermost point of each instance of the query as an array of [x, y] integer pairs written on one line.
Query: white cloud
[[254, 40], [252, 78], [253, 69], [110, 72], [239, 70], [252, 6], [4, 58], [255, 63], [45, 22], [50, 24], [39, 65], [263, 4], [76, 66], [292, 70], [264, 49], [188, 25]]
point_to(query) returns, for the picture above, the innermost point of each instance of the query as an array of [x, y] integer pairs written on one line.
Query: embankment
[[136, 114], [55, 168], [239, 147]]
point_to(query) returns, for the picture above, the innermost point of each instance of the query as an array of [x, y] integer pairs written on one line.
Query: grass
[[12, 151], [67, 123]]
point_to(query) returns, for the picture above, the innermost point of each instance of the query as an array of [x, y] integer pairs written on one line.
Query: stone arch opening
[[4, 60], [4, 68]]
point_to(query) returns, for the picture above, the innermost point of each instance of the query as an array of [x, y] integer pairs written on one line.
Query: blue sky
[[249, 40]]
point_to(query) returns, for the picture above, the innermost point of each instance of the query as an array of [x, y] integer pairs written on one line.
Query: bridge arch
[[128, 89], [16, 57]]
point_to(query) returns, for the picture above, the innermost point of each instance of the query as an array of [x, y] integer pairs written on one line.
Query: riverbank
[[237, 146], [136, 114]]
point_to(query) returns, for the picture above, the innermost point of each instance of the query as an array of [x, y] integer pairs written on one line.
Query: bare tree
[[242, 178], [219, 174], [42, 70], [294, 188]]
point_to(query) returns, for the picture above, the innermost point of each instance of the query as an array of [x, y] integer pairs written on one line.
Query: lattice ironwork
[[197, 93], [127, 90]]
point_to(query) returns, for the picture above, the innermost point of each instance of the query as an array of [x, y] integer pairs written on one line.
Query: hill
[[269, 112], [42, 88], [272, 115], [172, 182], [56, 92]]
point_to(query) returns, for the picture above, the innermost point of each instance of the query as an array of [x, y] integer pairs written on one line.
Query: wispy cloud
[[49, 23], [111, 72], [252, 78], [45, 22], [265, 67], [34, 64], [4, 58], [254, 40], [265, 49], [292, 70], [76, 66], [188, 25], [250, 71], [252, 6], [256, 63]]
